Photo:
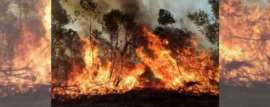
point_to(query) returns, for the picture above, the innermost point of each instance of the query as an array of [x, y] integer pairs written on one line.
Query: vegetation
[[124, 37], [209, 26]]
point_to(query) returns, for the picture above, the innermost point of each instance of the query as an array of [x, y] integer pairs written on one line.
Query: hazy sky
[[262, 3], [147, 12]]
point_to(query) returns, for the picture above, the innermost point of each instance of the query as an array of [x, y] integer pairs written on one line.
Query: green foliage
[[208, 26], [66, 45], [215, 7], [115, 23], [200, 18]]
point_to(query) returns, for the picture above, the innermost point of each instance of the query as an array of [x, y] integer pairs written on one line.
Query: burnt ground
[[41, 97], [256, 96], [142, 98]]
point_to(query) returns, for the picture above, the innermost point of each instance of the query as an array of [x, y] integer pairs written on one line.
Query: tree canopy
[[165, 17]]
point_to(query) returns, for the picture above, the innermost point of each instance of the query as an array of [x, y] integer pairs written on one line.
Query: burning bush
[[130, 57]]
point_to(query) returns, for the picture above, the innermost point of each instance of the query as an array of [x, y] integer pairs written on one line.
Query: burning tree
[[25, 64], [21, 42], [244, 62], [209, 26], [125, 56], [244, 56], [65, 44]]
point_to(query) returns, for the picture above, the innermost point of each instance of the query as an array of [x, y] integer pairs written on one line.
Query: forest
[[116, 53]]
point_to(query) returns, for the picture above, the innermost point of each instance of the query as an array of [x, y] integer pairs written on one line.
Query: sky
[[146, 12]]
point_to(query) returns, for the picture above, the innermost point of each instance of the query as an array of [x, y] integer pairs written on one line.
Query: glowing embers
[[244, 44], [188, 72]]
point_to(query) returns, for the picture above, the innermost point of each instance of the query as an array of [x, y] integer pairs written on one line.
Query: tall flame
[[160, 72]]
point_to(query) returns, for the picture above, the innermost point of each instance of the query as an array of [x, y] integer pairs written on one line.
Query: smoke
[[13, 15], [15, 42], [146, 13], [262, 3], [26, 13]]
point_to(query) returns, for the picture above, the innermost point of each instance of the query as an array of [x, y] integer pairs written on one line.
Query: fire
[[31, 65], [162, 71], [244, 44]]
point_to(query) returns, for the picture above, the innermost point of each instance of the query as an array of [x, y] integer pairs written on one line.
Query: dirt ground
[[40, 97], [141, 99], [258, 96]]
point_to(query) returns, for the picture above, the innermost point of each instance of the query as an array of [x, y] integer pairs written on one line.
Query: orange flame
[[32, 59], [244, 43], [161, 72]]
